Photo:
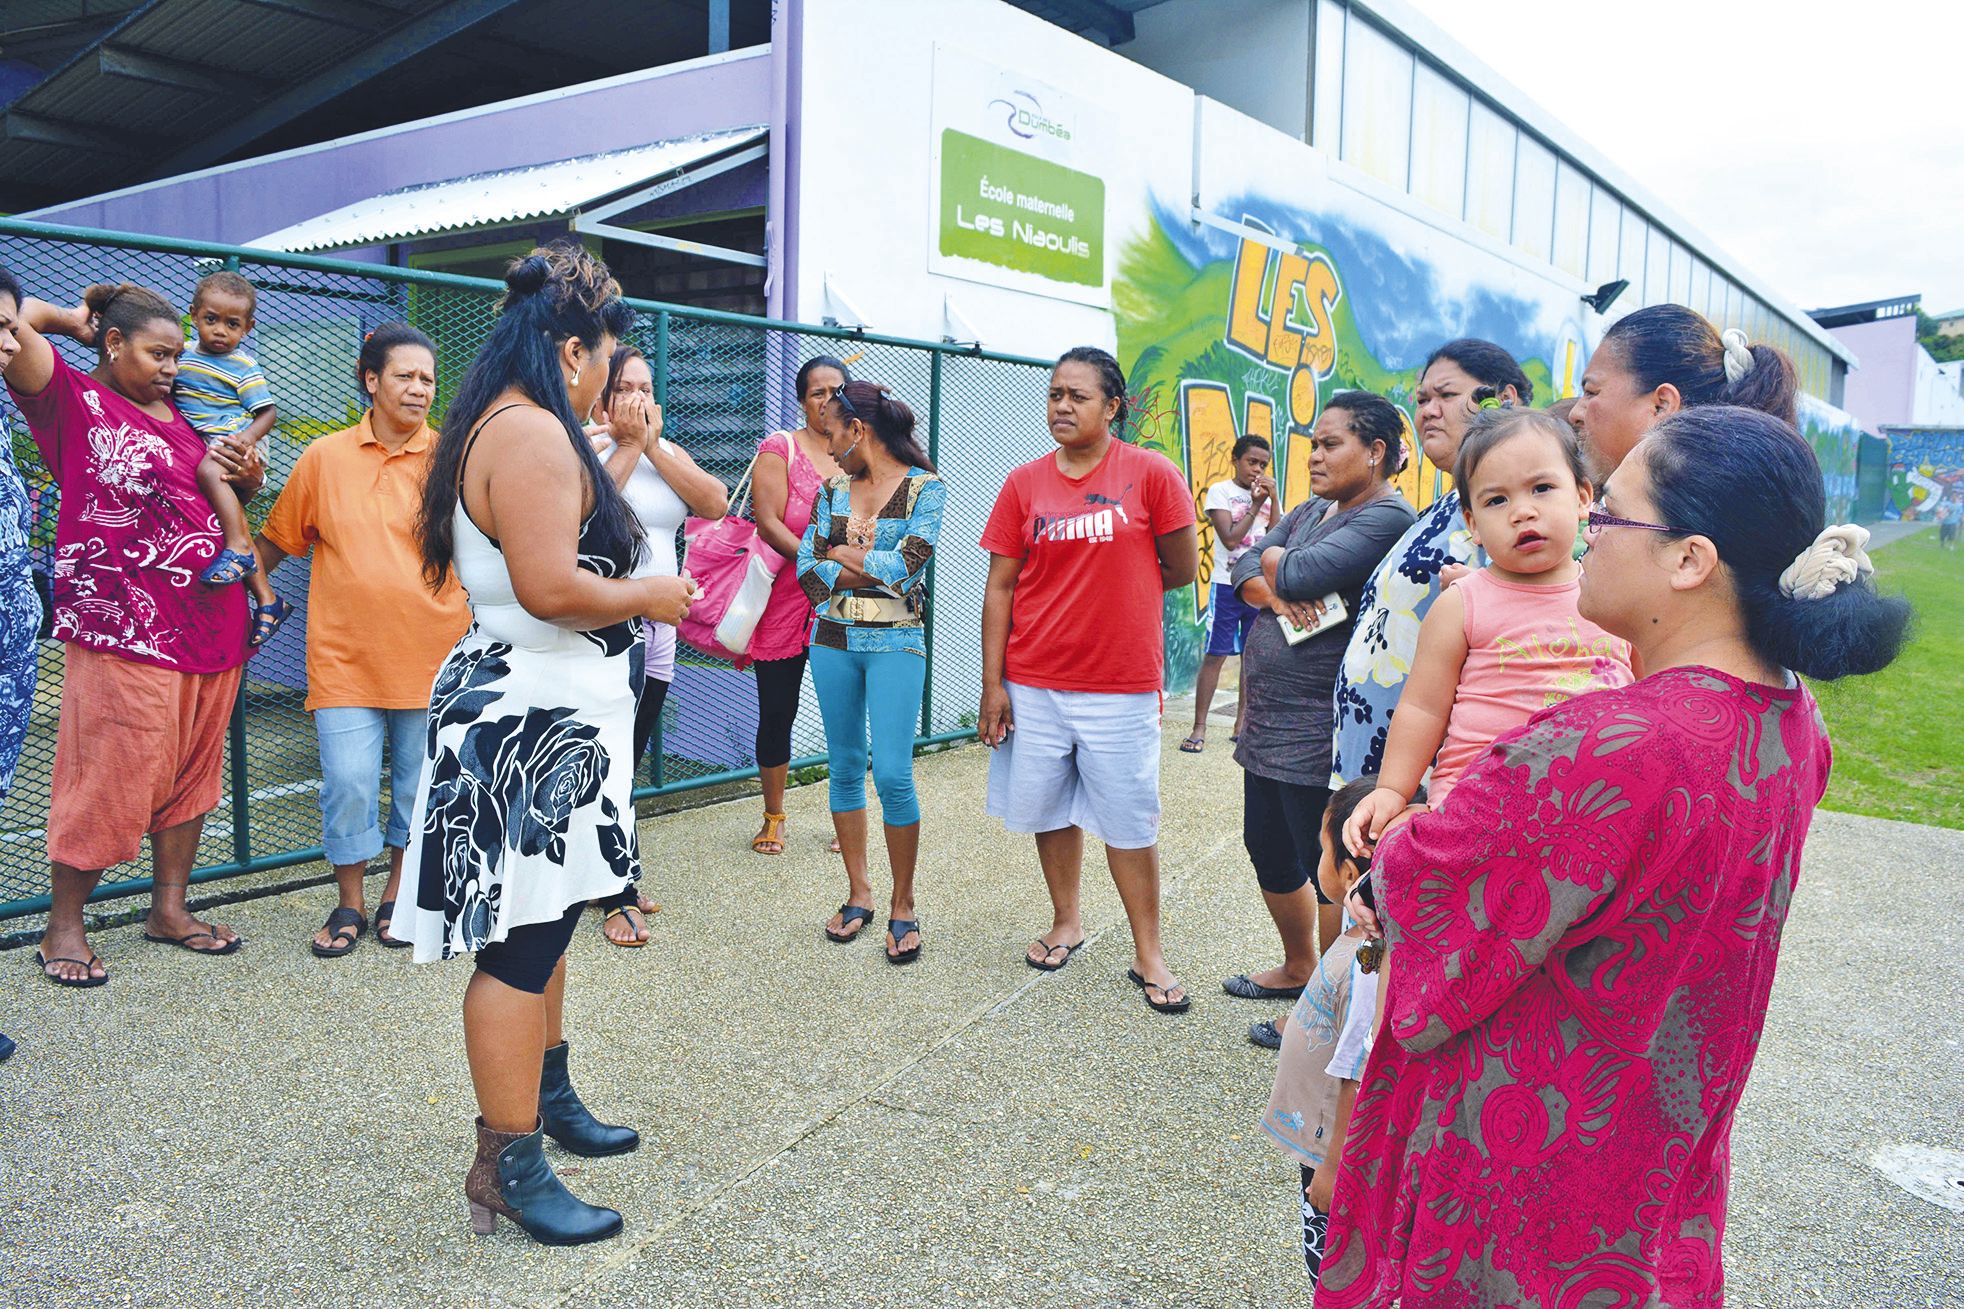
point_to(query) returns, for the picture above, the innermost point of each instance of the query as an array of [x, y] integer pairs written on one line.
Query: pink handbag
[[736, 570]]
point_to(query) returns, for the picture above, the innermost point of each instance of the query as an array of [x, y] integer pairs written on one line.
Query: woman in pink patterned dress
[[1583, 942]]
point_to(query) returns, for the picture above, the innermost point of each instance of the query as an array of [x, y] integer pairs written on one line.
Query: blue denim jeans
[[351, 778]]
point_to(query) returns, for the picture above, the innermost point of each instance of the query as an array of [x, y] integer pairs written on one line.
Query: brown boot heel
[[481, 1189]]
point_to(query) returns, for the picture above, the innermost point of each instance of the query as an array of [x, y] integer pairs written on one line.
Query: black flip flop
[[184, 942], [898, 928], [1179, 1006], [387, 909], [1045, 966], [345, 927], [848, 915], [83, 982]]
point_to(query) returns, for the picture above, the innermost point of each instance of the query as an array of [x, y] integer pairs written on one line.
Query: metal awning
[[586, 189]]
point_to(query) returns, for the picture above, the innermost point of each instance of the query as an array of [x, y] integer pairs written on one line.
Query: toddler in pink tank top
[[1504, 642]]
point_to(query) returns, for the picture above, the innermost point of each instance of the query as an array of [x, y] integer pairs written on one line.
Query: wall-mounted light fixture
[[1606, 295]]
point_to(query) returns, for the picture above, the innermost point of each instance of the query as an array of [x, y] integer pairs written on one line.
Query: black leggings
[[647, 712], [524, 960], [1282, 828], [778, 684]]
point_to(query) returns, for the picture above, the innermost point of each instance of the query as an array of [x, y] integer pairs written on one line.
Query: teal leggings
[[858, 688]]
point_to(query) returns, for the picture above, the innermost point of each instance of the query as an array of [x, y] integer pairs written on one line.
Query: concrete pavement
[[820, 1127]]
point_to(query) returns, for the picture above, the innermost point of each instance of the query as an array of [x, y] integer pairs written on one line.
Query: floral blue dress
[[20, 611], [1384, 638]]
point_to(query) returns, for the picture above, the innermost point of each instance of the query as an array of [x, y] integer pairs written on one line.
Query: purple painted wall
[[1883, 390], [235, 203]]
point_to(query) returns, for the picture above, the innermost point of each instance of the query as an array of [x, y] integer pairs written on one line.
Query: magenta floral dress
[[1582, 946], [785, 629]]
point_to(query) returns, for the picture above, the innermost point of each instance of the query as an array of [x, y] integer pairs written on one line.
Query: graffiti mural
[[1926, 469], [1224, 333], [1837, 439]]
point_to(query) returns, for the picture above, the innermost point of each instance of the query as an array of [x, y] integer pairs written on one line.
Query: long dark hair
[[559, 291], [889, 417], [812, 365], [1747, 480], [1375, 421], [1670, 343], [616, 362], [1486, 363], [10, 286]]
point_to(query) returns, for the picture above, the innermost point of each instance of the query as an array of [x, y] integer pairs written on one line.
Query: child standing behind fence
[[221, 392], [1506, 641]]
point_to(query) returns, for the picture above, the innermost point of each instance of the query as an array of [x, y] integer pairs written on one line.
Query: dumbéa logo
[[1029, 121]]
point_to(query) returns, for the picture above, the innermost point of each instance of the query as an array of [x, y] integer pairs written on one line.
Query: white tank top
[[661, 514]]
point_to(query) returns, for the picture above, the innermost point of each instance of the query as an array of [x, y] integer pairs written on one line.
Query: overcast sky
[[1821, 146]]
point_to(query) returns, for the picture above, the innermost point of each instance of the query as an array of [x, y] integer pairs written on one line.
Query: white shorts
[[1085, 759]]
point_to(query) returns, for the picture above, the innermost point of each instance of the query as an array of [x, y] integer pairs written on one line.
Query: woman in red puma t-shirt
[[1084, 544]]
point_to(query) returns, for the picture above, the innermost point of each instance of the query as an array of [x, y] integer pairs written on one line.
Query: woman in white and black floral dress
[[525, 812]]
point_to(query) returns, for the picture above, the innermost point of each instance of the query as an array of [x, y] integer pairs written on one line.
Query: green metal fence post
[[241, 824], [659, 769], [927, 619]]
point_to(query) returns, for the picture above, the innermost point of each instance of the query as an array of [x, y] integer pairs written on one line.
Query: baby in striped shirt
[[221, 392]]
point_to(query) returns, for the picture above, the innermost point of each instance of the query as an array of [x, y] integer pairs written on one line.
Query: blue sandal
[[897, 929], [853, 917], [266, 620], [228, 567]]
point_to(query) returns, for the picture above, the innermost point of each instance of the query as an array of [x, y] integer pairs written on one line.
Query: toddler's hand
[[1452, 573], [1367, 822]]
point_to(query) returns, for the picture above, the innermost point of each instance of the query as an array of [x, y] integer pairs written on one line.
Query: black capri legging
[[1282, 827], [524, 960], [778, 683]]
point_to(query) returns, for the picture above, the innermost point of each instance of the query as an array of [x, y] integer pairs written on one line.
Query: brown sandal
[[772, 835]]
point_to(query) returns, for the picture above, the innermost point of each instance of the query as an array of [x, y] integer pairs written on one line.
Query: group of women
[[1583, 938]]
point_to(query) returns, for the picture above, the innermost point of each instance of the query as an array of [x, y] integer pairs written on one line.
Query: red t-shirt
[[1088, 609], [134, 532]]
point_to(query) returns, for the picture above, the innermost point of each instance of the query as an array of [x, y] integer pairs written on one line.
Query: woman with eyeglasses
[[863, 565], [1584, 940]]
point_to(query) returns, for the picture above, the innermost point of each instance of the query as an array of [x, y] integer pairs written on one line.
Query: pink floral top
[[1582, 946], [785, 629], [134, 532]]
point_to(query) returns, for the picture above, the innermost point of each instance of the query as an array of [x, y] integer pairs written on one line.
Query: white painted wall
[[863, 211], [1251, 55]]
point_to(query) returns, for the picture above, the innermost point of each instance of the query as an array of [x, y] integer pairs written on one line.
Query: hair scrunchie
[[1836, 558], [1738, 354]]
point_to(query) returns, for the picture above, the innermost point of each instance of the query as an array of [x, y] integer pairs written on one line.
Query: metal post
[[659, 769], [241, 825], [927, 622]]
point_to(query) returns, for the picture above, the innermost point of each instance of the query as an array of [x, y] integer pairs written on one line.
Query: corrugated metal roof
[[507, 196]]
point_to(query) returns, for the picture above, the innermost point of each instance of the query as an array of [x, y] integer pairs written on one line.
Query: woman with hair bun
[[863, 565], [1585, 937], [1663, 359], [1320, 551], [526, 807]]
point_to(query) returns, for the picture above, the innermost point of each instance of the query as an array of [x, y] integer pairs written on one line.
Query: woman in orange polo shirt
[[375, 633]]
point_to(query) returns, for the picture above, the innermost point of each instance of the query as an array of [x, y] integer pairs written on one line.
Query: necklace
[[861, 529]]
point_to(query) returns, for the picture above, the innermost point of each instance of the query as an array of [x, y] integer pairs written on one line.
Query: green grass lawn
[[1899, 735]]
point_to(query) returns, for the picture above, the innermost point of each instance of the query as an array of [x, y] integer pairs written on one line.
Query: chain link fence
[[723, 380]]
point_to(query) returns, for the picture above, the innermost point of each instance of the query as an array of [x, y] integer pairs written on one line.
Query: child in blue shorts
[[221, 392], [1240, 509]]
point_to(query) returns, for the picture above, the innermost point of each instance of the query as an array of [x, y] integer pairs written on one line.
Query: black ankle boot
[[567, 1120], [529, 1193]]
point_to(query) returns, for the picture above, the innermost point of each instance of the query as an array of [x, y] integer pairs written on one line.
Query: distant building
[[1898, 384], [1950, 324]]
